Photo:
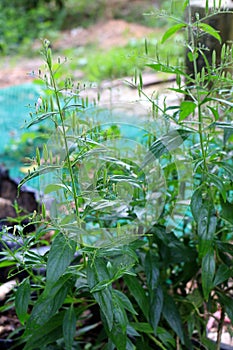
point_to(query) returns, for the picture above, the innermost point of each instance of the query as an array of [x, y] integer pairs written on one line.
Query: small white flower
[[38, 103]]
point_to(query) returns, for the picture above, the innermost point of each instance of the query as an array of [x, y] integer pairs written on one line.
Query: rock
[[6, 209], [9, 196], [5, 288]]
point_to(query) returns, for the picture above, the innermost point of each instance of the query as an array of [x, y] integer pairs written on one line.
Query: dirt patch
[[103, 34], [15, 73]]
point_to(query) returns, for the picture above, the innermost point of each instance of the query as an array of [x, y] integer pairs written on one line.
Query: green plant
[[113, 281], [122, 61], [25, 145], [23, 21]]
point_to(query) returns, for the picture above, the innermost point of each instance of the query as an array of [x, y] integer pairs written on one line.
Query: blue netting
[[14, 110]]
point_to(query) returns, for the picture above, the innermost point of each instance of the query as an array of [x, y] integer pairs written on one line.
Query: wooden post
[[222, 22]]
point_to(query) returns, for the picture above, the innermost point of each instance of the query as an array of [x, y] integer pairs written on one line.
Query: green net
[[14, 111]]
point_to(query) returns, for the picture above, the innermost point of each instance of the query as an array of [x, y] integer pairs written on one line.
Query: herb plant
[[117, 276]]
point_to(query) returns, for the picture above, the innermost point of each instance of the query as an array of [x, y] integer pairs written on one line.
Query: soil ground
[[104, 35]]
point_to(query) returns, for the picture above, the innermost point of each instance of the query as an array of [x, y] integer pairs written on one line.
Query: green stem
[[195, 69], [156, 341], [74, 191]]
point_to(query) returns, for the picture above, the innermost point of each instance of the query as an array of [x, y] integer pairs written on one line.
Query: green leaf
[[192, 56], [118, 333], [48, 333], [226, 102], [209, 30], [225, 247], [96, 273], [156, 306], [166, 143], [206, 227], [39, 171], [118, 337], [120, 316], [195, 298], [60, 256], [196, 203], [139, 294], [208, 271], [172, 316], [22, 298], [159, 67], [214, 112], [186, 108], [40, 117], [219, 184], [6, 263], [166, 337], [56, 187], [124, 301], [48, 303], [101, 285], [227, 302], [73, 231], [223, 274], [142, 327], [151, 270], [172, 30], [185, 4], [226, 210], [69, 327], [51, 331]]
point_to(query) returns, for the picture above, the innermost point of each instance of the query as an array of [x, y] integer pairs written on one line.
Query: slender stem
[[74, 191], [195, 69], [156, 341], [220, 329]]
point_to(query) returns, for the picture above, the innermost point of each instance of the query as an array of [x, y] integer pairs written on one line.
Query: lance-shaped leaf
[[207, 222], [22, 298], [204, 214], [165, 144], [46, 334], [138, 293], [151, 270], [39, 171], [228, 304], [172, 30], [69, 327], [124, 301], [59, 258], [208, 271], [48, 304], [226, 210], [210, 30], [172, 316], [160, 67], [223, 273], [97, 272], [40, 118], [219, 184], [196, 203], [156, 306]]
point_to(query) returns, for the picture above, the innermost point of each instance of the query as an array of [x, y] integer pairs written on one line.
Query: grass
[[97, 64]]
